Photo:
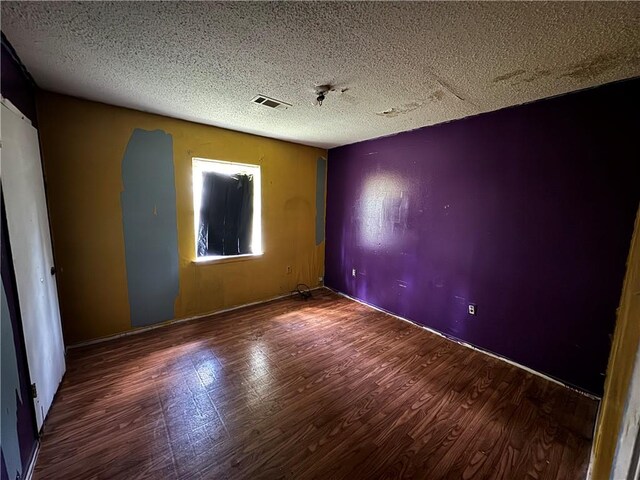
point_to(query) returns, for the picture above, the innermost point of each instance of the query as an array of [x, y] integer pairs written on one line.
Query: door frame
[[626, 460]]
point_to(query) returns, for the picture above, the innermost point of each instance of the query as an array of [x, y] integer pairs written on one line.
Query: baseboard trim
[[138, 330], [431, 330], [28, 475], [472, 347]]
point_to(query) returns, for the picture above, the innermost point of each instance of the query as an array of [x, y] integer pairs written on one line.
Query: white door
[[28, 225]]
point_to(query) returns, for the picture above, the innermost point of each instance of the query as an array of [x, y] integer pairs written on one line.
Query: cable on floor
[[302, 291]]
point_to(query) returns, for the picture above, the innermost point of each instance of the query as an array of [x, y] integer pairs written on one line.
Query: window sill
[[225, 259]]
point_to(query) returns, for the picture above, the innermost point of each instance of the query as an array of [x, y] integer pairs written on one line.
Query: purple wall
[[527, 212], [16, 87]]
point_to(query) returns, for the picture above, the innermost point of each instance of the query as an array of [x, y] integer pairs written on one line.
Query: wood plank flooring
[[325, 388]]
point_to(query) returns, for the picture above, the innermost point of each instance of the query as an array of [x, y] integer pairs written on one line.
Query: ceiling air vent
[[270, 102]]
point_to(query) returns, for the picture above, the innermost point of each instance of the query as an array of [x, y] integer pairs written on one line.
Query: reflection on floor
[[325, 388]]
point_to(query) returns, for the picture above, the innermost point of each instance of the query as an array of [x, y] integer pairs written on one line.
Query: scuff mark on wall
[[150, 230], [382, 211]]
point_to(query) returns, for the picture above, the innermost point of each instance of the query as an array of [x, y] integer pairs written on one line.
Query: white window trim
[[200, 165]]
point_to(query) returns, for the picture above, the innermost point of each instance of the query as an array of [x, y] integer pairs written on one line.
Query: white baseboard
[[451, 339], [468, 345], [138, 330]]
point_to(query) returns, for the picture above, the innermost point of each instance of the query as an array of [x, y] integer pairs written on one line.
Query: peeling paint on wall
[[149, 222]]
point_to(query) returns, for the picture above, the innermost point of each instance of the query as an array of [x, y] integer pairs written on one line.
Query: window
[[227, 209]]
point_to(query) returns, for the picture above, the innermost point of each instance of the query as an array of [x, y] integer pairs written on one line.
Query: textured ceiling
[[405, 65]]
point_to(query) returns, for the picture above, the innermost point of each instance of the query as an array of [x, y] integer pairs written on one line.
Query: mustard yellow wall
[[83, 144], [626, 341]]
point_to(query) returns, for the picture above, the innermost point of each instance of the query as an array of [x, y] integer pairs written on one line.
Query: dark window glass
[[226, 215]]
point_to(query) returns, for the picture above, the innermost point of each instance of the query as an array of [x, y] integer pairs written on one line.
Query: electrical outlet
[[353, 272], [473, 308], [288, 269], [320, 279]]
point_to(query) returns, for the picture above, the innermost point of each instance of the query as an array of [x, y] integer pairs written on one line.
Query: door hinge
[[34, 391]]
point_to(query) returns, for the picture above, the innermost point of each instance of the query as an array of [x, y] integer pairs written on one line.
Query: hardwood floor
[[325, 388]]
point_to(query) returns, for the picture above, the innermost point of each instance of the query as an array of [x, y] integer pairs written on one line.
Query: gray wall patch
[[150, 227], [321, 181]]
